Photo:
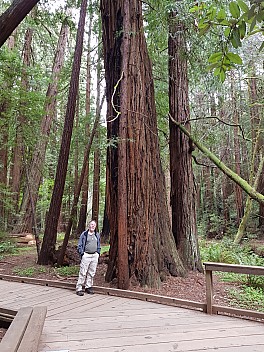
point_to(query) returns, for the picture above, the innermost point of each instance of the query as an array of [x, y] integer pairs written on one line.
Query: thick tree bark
[[11, 18], [25, 221], [183, 196], [141, 243], [50, 235]]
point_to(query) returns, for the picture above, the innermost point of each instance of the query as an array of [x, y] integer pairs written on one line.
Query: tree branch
[[228, 172]]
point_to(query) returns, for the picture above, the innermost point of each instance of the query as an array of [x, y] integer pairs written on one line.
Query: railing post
[[209, 291]]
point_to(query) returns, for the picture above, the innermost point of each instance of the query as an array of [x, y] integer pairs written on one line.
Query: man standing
[[89, 250]]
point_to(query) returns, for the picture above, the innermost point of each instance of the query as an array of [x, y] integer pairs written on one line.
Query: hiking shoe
[[79, 293], [89, 290]]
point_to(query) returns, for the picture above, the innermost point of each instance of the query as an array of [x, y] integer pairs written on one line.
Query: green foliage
[[68, 270], [246, 297], [7, 247], [250, 290], [28, 272], [105, 249], [236, 22]]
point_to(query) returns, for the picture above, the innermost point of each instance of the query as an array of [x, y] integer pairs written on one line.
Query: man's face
[[92, 226]]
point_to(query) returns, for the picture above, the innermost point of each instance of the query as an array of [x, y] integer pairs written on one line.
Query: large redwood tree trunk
[[183, 195], [141, 241], [47, 253]]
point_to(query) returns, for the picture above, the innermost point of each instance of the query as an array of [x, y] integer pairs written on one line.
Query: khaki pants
[[87, 270]]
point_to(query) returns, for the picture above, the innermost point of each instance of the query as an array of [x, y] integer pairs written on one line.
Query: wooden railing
[[25, 330], [239, 269]]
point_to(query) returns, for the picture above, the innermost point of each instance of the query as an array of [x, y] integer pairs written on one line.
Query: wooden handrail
[[234, 268]]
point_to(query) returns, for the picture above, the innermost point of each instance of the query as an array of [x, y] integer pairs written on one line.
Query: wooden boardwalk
[[102, 323]]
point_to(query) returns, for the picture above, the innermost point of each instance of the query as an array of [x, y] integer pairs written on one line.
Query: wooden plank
[[209, 291], [140, 333], [15, 332], [238, 311], [235, 268], [164, 342], [33, 332]]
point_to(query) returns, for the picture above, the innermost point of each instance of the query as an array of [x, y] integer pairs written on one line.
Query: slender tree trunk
[[11, 18], [256, 117], [237, 155], [85, 185], [78, 190], [25, 221], [244, 221], [19, 148], [257, 161], [50, 235], [183, 197], [141, 243]]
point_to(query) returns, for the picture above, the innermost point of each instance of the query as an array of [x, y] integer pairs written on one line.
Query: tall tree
[[141, 244], [18, 168], [25, 221], [183, 196], [50, 235], [85, 184], [11, 18]]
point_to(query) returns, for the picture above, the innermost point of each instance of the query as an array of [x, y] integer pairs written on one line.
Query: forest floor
[[192, 287]]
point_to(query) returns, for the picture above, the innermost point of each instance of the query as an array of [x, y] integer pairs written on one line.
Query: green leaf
[[215, 57], [242, 29], [221, 15], [234, 9], [243, 5], [253, 24], [204, 30], [222, 76], [235, 58], [260, 16], [227, 31], [261, 47], [251, 12], [217, 71], [214, 65], [236, 38]]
